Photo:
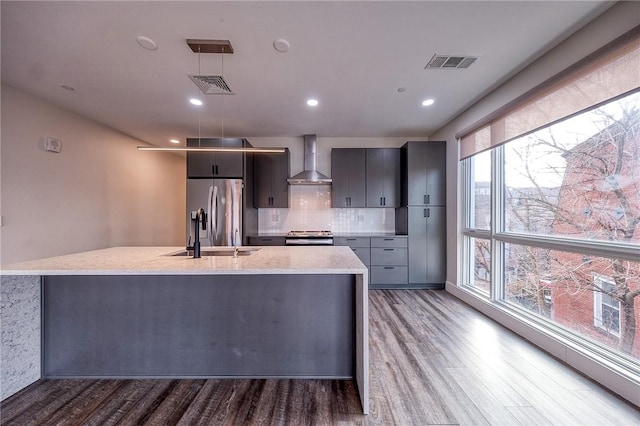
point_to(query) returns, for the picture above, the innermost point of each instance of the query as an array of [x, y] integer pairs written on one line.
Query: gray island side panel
[[21, 334], [207, 325]]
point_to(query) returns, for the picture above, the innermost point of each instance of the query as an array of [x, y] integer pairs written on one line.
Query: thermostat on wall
[[52, 145]]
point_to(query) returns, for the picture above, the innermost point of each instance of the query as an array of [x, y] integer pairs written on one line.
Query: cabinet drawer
[[363, 253], [389, 256], [389, 275], [389, 242], [266, 241], [352, 241]]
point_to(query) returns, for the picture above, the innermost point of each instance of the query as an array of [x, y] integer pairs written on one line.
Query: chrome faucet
[[198, 216], [235, 243]]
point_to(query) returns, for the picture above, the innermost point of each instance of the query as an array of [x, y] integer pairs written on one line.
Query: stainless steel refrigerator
[[222, 201]]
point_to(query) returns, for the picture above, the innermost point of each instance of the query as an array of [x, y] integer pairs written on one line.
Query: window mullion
[[497, 224]]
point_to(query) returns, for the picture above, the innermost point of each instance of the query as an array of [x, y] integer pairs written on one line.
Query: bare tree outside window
[[578, 179]]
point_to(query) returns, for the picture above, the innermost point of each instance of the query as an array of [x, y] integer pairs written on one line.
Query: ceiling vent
[[212, 84], [450, 62]]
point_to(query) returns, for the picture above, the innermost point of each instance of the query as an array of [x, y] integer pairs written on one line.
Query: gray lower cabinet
[[427, 246], [276, 240], [389, 262], [215, 164], [359, 245]]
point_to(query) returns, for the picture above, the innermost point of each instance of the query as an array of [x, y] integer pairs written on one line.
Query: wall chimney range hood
[[310, 175]]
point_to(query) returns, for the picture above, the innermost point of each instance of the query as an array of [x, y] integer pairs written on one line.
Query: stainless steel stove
[[309, 238]]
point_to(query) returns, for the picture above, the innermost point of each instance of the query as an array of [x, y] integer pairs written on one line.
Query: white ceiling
[[352, 56]]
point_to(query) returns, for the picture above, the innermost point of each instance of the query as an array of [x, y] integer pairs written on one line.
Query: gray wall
[[99, 191]]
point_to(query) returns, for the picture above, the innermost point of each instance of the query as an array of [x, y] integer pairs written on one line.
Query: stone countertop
[[157, 261]]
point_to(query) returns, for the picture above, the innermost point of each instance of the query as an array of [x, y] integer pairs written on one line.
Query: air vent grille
[[450, 62], [212, 84]]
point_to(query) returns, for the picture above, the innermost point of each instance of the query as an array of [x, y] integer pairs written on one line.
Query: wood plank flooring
[[434, 361]]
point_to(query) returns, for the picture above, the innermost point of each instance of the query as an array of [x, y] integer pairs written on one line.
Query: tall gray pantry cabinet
[[422, 216]]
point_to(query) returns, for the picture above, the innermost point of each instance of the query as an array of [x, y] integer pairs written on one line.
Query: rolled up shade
[[608, 73]]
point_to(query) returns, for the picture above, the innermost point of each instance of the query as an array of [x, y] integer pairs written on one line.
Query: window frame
[[598, 303]]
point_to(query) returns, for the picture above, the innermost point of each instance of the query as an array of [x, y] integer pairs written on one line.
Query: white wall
[[98, 192], [616, 21]]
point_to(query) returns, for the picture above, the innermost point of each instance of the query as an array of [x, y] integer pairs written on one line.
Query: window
[[478, 222], [578, 178], [560, 238], [606, 309]]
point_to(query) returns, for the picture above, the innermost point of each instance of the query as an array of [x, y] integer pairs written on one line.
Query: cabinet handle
[[381, 202], [389, 239], [351, 239], [388, 249], [424, 212], [349, 201], [428, 212], [428, 198], [384, 201], [213, 169], [424, 199], [389, 267], [267, 239]]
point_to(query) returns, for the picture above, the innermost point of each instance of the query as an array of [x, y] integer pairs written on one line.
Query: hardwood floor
[[434, 360]]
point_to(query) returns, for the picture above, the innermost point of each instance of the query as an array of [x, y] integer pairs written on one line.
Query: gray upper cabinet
[[383, 177], [427, 246], [215, 164], [271, 172], [348, 174], [425, 166]]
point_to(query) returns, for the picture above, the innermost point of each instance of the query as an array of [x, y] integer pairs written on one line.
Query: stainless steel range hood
[[310, 175]]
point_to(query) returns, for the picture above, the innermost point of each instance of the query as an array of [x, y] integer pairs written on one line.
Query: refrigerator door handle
[[213, 214]]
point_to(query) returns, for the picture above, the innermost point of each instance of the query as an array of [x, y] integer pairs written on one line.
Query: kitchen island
[[125, 312]]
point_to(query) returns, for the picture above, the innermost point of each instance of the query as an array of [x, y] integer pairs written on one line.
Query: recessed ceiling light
[[312, 102], [174, 141], [281, 45], [147, 43], [195, 101], [427, 102]]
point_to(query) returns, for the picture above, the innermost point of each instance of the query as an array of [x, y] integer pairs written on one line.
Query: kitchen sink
[[218, 252]]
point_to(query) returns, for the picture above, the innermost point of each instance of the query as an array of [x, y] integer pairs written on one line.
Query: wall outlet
[[52, 145]]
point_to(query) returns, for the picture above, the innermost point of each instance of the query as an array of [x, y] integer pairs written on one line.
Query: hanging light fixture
[[211, 85]]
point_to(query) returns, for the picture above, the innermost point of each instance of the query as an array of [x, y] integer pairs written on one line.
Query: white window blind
[[613, 71]]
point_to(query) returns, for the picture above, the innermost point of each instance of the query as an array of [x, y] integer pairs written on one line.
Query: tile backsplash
[[310, 209]]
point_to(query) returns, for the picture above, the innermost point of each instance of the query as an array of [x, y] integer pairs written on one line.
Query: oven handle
[[309, 241]]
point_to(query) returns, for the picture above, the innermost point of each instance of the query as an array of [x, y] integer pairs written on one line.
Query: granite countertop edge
[[158, 261]]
